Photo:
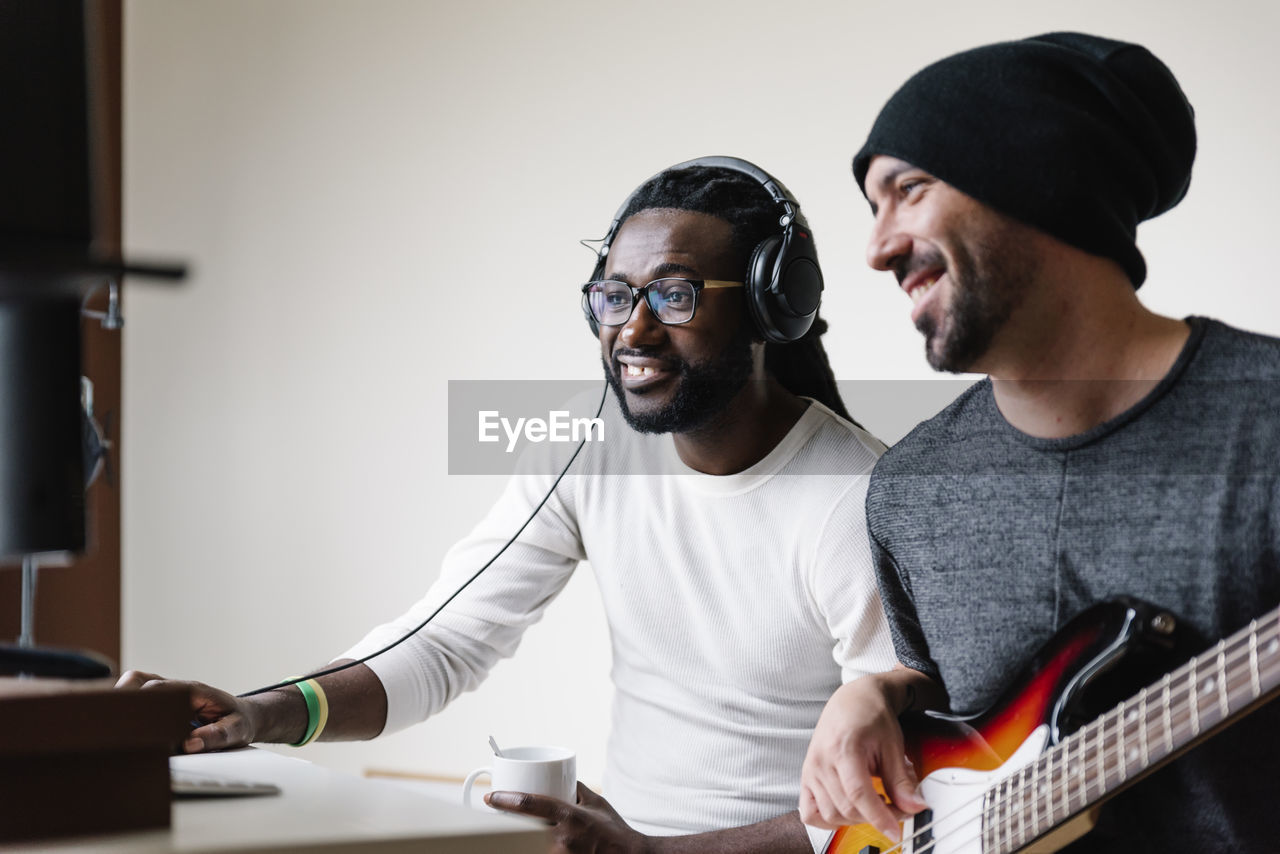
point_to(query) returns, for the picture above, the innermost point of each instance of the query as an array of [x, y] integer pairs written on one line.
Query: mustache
[[672, 363], [909, 264]]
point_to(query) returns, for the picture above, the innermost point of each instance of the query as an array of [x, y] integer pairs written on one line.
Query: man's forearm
[[357, 709], [904, 690], [782, 835]]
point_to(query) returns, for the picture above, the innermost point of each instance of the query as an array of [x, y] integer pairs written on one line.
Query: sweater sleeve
[[486, 621], [843, 587], [904, 627]]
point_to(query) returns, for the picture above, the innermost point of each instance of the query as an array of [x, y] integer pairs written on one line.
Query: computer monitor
[[49, 237]]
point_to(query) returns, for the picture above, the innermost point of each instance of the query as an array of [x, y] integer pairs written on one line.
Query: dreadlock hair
[[802, 367]]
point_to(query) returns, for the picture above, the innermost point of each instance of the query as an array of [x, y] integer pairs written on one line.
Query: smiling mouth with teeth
[[634, 371], [919, 291]]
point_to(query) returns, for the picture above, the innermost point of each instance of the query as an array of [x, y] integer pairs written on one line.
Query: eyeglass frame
[[637, 292]]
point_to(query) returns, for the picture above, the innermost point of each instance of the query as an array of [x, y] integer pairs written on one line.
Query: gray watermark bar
[[499, 427]]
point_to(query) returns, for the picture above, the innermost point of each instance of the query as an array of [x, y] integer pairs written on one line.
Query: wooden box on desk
[[83, 758]]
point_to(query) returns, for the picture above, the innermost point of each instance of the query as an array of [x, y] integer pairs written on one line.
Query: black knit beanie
[[1079, 136]]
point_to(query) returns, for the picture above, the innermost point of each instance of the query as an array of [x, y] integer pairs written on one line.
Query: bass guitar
[[1025, 775]]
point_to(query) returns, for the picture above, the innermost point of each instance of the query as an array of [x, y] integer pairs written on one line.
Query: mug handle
[[471, 778]]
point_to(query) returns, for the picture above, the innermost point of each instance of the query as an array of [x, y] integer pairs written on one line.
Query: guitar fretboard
[[1188, 704]]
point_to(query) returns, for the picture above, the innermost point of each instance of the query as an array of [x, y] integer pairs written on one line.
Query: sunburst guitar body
[[1030, 773]]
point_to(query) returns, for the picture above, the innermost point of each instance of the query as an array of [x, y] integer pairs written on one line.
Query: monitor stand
[[26, 659]]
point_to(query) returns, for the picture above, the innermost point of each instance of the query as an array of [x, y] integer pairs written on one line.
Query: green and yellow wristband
[[317, 711]]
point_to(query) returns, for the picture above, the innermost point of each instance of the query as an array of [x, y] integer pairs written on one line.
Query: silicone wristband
[[313, 694]]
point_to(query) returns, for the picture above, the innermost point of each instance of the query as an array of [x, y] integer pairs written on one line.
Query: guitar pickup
[[923, 820]]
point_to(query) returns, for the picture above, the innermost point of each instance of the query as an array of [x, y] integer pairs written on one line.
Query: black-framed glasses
[[672, 301]]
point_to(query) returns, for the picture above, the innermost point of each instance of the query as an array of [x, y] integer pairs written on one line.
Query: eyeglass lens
[[670, 300]]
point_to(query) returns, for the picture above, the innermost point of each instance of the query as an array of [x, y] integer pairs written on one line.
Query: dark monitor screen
[[46, 190], [46, 217]]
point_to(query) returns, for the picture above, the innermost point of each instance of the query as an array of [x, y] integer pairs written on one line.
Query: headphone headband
[[775, 188]]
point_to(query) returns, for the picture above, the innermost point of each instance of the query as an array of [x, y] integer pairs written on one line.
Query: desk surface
[[318, 810]]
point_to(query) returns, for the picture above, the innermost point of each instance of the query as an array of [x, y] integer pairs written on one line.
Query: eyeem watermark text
[[556, 427]]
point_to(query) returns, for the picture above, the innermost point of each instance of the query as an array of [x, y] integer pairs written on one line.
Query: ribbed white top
[[736, 606]]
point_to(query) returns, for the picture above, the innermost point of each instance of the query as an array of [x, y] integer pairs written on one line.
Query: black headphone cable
[[286, 683]]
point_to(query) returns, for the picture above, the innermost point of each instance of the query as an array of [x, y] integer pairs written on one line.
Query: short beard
[[703, 390], [987, 285]]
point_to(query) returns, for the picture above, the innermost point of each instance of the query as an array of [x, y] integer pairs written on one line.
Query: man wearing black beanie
[[1110, 452]]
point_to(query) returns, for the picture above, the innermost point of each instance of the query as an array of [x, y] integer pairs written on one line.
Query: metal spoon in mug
[[494, 745]]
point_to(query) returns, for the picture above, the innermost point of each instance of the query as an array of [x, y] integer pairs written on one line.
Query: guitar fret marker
[[1255, 681], [996, 804], [1035, 810], [1007, 822], [1191, 700], [988, 830], [1120, 742], [1142, 726], [1066, 777], [1022, 806], [1083, 784], [1098, 759], [1168, 716], [1224, 707], [1048, 773]]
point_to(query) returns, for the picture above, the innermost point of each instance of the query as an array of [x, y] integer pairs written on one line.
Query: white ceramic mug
[[539, 770]]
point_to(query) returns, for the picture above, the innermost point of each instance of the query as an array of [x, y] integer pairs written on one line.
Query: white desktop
[[317, 810]]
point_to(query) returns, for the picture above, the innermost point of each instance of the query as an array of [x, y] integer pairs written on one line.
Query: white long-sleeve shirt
[[736, 605]]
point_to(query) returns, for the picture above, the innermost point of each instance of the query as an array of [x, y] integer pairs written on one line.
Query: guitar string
[[1046, 758], [1227, 651], [990, 822], [1107, 754]]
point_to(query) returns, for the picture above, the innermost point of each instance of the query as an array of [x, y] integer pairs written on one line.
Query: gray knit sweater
[[988, 540]]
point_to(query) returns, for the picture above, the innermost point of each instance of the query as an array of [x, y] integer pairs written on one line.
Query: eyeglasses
[[672, 301]]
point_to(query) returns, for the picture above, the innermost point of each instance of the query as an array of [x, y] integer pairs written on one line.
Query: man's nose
[[886, 245], [641, 327]]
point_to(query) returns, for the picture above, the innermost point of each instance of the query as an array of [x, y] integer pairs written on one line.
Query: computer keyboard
[[194, 784]]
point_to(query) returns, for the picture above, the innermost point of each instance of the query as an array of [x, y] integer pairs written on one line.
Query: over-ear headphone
[[783, 282]]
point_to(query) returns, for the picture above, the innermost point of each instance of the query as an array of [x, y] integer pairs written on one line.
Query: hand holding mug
[[551, 771]]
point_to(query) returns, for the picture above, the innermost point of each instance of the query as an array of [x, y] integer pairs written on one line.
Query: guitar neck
[[1186, 706]]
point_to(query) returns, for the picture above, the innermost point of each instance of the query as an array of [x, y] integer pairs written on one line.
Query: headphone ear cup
[[784, 286], [759, 279], [798, 288]]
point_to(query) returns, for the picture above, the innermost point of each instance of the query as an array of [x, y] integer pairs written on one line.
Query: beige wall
[[379, 197]]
